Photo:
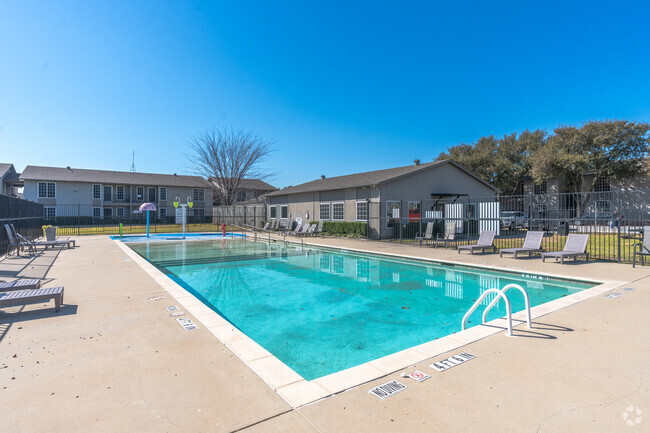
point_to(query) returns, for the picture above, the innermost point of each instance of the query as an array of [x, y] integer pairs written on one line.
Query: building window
[[97, 191], [414, 211], [541, 188], [119, 212], [362, 210], [199, 213], [273, 210], [46, 190], [603, 206], [108, 212], [163, 212], [97, 212], [49, 212], [392, 212], [163, 194], [241, 195], [602, 185], [119, 193], [338, 211], [324, 212], [284, 212], [139, 193], [198, 194]]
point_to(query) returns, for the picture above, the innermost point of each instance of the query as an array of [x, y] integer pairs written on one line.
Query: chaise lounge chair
[[309, 231], [21, 297], [485, 241], [17, 245], [643, 248], [448, 236], [427, 235], [50, 236], [576, 245], [532, 244], [22, 284], [300, 231], [46, 244]]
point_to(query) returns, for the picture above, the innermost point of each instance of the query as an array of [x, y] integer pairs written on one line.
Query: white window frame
[[283, 206], [117, 212], [117, 194], [47, 190], [141, 198], [408, 210], [389, 217], [160, 193], [198, 195], [342, 203], [110, 209], [329, 212], [48, 208], [357, 210], [161, 210], [271, 209], [92, 191], [100, 212]]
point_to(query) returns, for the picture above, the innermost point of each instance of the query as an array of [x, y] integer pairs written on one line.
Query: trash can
[[563, 228]]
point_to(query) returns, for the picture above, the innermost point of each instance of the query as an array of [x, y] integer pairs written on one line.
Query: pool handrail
[[526, 300], [500, 294]]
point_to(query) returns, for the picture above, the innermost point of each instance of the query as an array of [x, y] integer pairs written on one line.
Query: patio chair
[[300, 231], [16, 244], [319, 229], [21, 297], [532, 244], [266, 226], [427, 235], [309, 230], [22, 284], [485, 241], [294, 231], [448, 236], [643, 248], [575, 245]]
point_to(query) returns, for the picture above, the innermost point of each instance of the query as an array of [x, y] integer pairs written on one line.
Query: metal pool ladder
[[501, 293]]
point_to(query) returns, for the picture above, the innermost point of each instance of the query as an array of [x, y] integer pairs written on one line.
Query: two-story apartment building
[[104, 194], [249, 190], [9, 182]]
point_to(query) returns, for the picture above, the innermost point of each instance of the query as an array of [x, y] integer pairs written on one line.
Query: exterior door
[[108, 193], [152, 195]]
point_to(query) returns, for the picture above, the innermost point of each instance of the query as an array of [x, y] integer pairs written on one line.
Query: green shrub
[[345, 229]]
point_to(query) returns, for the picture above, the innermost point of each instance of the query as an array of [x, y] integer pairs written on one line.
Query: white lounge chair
[[448, 236], [532, 244], [575, 245], [427, 235], [485, 241]]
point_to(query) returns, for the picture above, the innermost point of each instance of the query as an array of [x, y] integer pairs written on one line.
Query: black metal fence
[[26, 216], [613, 219], [77, 219], [241, 215]]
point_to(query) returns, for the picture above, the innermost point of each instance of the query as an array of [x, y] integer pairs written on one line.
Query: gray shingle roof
[[366, 179], [61, 174], [4, 168], [254, 185]]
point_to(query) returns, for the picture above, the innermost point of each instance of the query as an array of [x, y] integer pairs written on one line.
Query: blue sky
[[339, 87]]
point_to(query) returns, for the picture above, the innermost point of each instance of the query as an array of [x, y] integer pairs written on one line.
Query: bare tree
[[227, 158]]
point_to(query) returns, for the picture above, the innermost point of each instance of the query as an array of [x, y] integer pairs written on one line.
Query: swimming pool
[[159, 237], [321, 311]]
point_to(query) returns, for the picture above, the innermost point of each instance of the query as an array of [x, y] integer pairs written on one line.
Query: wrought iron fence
[[77, 219], [26, 216], [613, 219]]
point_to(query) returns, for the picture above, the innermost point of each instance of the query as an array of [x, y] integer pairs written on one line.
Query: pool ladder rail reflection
[[501, 293]]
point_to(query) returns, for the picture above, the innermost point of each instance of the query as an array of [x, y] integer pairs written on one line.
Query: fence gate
[[489, 214]]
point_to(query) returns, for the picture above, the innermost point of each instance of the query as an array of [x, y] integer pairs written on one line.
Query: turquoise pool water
[[321, 311], [158, 237]]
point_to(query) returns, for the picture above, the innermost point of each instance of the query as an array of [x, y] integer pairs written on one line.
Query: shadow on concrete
[[34, 266], [533, 333], [12, 315]]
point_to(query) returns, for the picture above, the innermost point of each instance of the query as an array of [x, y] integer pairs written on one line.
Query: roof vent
[[322, 176], [174, 174], [68, 167], [417, 162]]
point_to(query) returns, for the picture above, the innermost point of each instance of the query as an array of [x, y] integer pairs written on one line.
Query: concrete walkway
[[112, 360]]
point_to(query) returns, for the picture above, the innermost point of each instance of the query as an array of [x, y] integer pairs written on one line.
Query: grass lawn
[[137, 229]]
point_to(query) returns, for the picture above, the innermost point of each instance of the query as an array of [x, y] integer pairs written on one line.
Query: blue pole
[[147, 223]]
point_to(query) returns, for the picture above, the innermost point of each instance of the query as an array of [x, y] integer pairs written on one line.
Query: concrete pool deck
[[112, 360]]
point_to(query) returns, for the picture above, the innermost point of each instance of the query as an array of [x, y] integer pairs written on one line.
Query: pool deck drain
[[297, 391]]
